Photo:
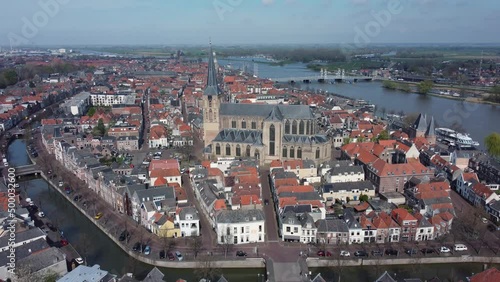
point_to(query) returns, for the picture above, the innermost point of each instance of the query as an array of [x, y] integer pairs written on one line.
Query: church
[[262, 131]]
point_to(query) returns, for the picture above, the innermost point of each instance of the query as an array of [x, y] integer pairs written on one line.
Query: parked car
[[427, 251], [345, 254], [162, 254], [64, 242], [79, 261], [125, 234], [444, 249], [360, 254], [41, 214], [170, 256], [136, 247], [98, 215], [241, 254], [391, 252], [493, 227], [77, 198], [323, 254], [147, 250], [460, 247], [484, 220], [61, 184], [51, 227], [179, 255], [378, 253], [411, 251], [266, 202]]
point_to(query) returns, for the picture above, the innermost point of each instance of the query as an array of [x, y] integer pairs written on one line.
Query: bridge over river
[[324, 77]]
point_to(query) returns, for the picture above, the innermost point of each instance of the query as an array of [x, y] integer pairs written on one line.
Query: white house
[[240, 226], [189, 221], [356, 234], [299, 228], [345, 174]]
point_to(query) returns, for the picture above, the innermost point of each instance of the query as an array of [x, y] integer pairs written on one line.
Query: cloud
[[267, 2]]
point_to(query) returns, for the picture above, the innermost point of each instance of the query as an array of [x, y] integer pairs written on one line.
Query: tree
[[383, 135], [91, 111], [363, 198], [206, 268], [227, 244], [492, 143], [405, 87], [196, 246], [167, 243], [390, 84], [100, 129], [424, 87]]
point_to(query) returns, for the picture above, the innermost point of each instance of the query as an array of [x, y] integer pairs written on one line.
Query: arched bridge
[[27, 170]]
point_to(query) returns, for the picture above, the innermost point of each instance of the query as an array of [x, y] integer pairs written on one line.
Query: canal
[[478, 120]]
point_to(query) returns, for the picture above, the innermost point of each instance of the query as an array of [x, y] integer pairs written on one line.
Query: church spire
[[212, 88]]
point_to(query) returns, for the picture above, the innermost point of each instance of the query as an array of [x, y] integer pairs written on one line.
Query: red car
[[170, 256], [322, 254], [64, 242]]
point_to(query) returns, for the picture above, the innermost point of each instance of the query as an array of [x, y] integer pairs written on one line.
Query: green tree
[[384, 135], [389, 85], [424, 87], [405, 87], [10, 77], [91, 111], [492, 143], [363, 198], [100, 129]]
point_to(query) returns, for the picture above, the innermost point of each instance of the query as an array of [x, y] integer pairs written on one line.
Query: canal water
[[478, 120]]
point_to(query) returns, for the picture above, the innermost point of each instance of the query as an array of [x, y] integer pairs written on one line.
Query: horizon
[[238, 22]]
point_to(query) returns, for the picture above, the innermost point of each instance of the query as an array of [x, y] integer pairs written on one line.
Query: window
[[299, 153], [254, 125], [317, 153], [242, 229], [294, 127], [307, 127], [235, 230], [272, 137], [285, 151], [288, 229], [228, 150], [287, 127], [217, 149], [233, 124], [301, 127], [296, 229], [260, 228], [292, 152], [248, 151], [235, 239], [243, 124], [238, 150]]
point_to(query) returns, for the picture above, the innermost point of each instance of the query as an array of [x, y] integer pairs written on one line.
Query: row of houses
[[162, 209]]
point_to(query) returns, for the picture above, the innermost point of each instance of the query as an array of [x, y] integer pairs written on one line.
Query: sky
[[233, 22]]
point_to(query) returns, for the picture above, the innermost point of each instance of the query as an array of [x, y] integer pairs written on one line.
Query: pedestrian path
[[287, 271]]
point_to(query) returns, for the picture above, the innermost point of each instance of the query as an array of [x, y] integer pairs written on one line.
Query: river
[[478, 120], [110, 257]]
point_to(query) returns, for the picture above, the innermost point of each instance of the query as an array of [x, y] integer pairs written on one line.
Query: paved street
[[271, 221]]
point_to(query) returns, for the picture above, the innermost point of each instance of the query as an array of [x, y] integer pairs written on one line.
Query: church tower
[[211, 102]]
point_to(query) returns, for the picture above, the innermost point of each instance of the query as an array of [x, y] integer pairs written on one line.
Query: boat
[[454, 138]]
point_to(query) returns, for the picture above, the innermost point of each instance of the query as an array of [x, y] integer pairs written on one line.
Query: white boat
[[450, 136]]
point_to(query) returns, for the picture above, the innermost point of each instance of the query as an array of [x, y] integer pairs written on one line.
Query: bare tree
[[83, 245], [196, 246], [337, 264], [227, 245], [168, 243], [206, 268]]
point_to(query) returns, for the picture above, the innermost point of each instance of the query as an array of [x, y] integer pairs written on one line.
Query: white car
[[444, 250], [79, 260], [41, 214], [460, 247], [345, 254]]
